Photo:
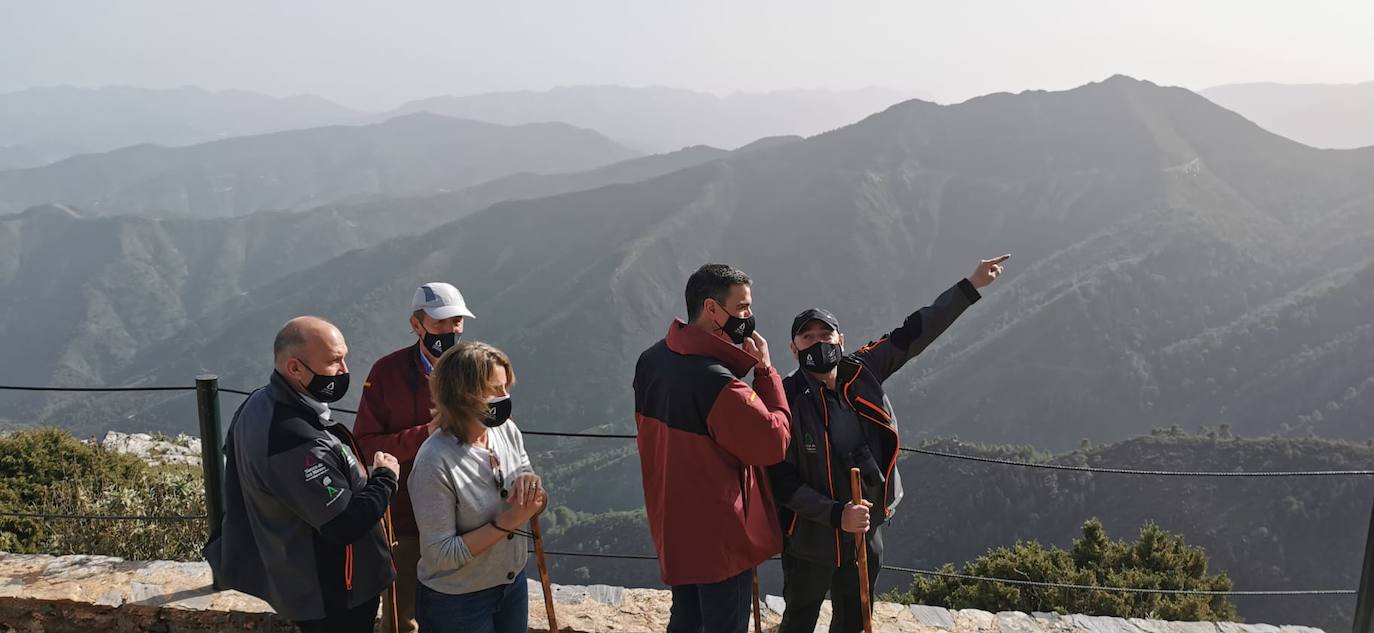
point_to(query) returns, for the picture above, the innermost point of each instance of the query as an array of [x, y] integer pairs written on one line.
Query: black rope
[[558, 434], [101, 517], [1188, 592], [1157, 473], [249, 393], [1056, 585], [596, 555], [92, 389]]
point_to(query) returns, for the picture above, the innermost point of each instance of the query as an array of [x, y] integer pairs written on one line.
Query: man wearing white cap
[[396, 416]]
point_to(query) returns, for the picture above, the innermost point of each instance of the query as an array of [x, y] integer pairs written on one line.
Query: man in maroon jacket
[[395, 416], [704, 439]]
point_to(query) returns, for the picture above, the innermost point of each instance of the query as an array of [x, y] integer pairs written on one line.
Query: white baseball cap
[[440, 301]]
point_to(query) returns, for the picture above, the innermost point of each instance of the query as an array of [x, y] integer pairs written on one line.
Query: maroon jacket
[[704, 439], [392, 416]]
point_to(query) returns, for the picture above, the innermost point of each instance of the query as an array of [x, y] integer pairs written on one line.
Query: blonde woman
[[473, 491]]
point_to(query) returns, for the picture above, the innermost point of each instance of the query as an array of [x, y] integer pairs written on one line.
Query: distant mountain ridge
[[662, 119], [407, 155], [86, 120]]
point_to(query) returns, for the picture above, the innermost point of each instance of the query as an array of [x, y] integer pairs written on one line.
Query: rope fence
[[896, 568]]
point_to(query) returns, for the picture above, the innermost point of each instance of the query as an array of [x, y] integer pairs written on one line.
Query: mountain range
[[662, 119], [42, 125], [407, 155], [1173, 263]]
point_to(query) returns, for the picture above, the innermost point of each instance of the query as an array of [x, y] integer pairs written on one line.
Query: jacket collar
[[418, 360], [694, 341], [283, 393]]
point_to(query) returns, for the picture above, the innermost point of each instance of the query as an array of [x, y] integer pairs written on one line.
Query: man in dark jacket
[[704, 438], [396, 417], [302, 525], [841, 418]]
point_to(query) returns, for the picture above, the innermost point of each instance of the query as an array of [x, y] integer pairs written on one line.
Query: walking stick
[[390, 531], [758, 617], [861, 551], [543, 572]]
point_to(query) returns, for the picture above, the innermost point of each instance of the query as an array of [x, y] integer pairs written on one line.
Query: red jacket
[[704, 439], [392, 416]]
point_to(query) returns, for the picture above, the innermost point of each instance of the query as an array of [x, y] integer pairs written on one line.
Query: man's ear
[[841, 340], [793, 345], [415, 326]]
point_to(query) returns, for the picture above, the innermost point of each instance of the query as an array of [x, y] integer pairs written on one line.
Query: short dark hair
[[712, 281]]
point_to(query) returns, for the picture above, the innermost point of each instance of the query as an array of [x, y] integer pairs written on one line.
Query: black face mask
[[326, 389], [736, 328], [821, 357], [437, 344], [498, 411]]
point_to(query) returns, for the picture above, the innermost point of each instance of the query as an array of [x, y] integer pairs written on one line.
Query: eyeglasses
[[495, 463]]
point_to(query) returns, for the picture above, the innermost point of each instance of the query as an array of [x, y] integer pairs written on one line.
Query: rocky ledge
[[60, 594]]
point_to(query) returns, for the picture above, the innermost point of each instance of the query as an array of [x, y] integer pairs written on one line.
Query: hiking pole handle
[[861, 551]]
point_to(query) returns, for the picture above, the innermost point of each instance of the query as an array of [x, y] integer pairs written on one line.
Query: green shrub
[[47, 471], [1156, 560]]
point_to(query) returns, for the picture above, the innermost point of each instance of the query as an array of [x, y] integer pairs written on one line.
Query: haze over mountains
[[407, 155], [662, 119], [1320, 115], [42, 125]]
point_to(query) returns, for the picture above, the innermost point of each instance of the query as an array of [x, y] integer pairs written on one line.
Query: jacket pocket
[[813, 542]]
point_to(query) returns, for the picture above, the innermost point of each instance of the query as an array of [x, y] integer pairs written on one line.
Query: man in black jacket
[[302, 525], [841, 418]]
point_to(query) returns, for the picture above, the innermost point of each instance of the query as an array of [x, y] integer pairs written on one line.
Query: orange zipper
[[348, 567]]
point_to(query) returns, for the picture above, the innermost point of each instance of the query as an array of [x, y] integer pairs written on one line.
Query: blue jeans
[[501, 609], [721, 607]]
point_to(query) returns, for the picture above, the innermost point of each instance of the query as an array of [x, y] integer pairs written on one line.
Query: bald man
[[302, 524]]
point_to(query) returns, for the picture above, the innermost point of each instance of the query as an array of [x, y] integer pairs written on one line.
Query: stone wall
[[70, 594]]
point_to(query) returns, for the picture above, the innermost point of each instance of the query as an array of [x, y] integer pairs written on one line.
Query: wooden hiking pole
[[758, 617], [390, 531], [543, 572], [861, 552]]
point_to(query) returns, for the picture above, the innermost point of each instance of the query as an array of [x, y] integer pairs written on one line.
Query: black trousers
[[721, 607], [359, 619], [805, 583]]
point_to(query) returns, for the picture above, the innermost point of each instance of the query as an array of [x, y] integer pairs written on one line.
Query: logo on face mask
[[498, 411], [821, 357], [326, 388], [437, 344]]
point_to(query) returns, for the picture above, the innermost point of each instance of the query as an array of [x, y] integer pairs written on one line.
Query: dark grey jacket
[[302, 524], [802, 483]]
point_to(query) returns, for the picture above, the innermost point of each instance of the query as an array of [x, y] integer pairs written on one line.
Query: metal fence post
[[1364, 607], [211, 447]]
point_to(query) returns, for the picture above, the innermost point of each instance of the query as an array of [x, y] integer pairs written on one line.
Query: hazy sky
[[378, 54]]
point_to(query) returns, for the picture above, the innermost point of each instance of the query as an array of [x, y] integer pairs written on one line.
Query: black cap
[[814, 314]]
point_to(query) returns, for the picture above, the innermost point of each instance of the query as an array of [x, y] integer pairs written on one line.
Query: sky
[[376, 55]]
